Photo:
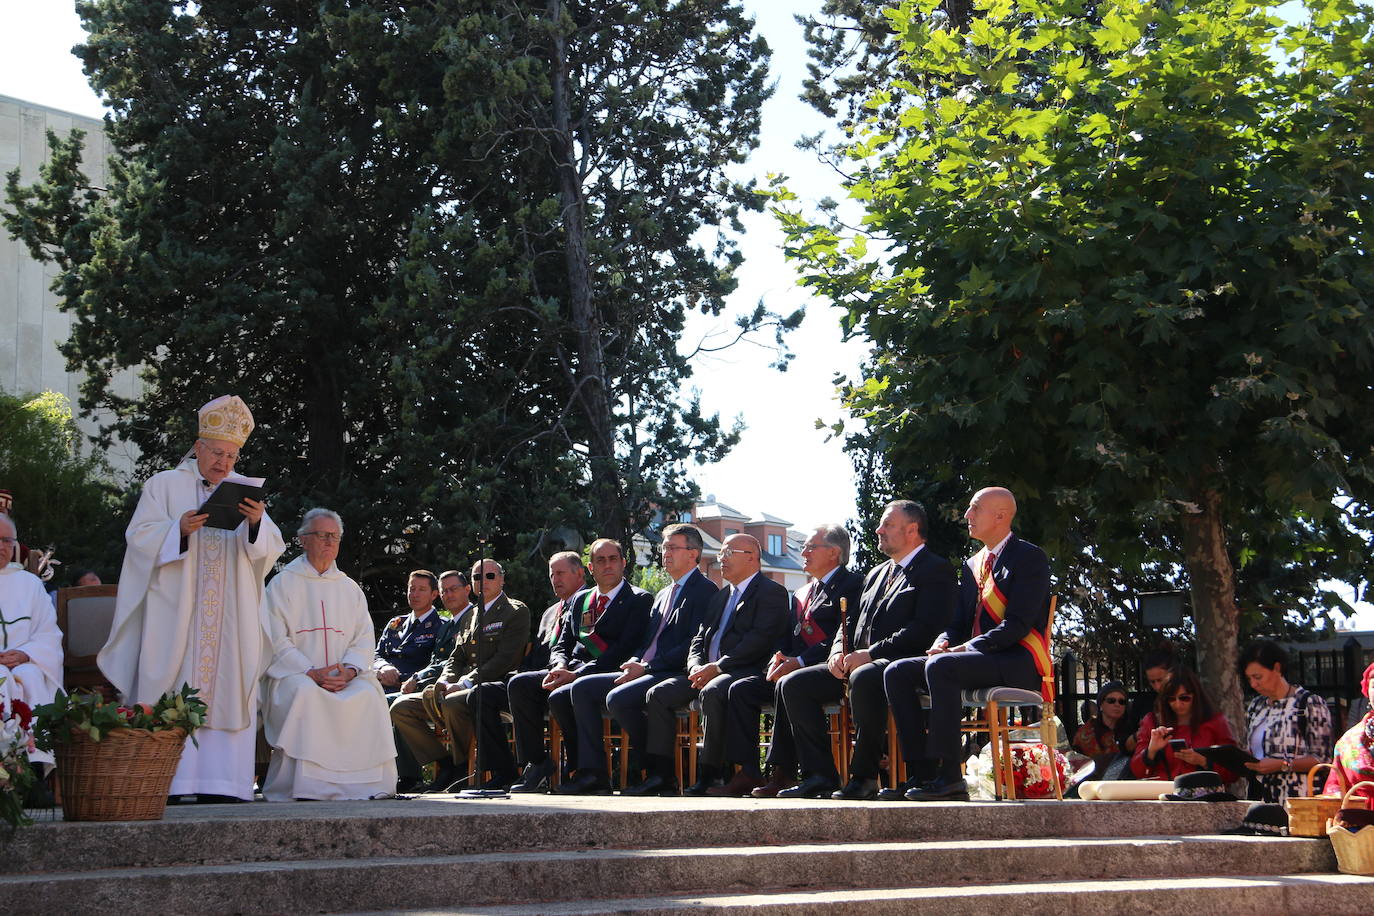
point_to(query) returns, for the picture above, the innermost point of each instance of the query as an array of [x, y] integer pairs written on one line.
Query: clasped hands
[[12, 658], [780, 666], [332, 678], [842, 665]]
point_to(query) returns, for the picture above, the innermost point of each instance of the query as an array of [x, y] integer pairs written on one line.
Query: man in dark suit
[[905, 603], [504, 626], [815, 618], [998, 638], [745, 622], [679, 610], [567, 577], [601, 629]]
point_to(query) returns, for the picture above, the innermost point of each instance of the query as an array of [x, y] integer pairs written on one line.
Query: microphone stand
[[477, 791]]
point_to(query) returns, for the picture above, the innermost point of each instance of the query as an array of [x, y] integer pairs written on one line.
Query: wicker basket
[[123, 777], [1307, 815], [1354, 848]]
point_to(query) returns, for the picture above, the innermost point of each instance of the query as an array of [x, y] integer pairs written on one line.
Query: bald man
[[744, 623], [998, 638]]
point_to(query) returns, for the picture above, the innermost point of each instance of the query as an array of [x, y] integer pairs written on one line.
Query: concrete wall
[[31, 325]]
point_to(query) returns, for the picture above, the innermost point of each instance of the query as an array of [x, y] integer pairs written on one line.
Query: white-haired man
[[30, 642], [190, 606]]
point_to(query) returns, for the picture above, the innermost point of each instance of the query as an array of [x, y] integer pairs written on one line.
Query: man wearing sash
[[190, 606], [998, 640], [906, 602], [323, 710], [601, 629], [30, 642]]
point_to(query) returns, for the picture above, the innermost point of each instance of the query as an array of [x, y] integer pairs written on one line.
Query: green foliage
[[651, 578], [62, 498], [1117, 261], [56, 723], [443, 251]]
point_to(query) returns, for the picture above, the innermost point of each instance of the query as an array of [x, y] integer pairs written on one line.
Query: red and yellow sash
[[991, 600]]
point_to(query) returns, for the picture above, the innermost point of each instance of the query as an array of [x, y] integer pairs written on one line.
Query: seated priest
[[30, 642], [324, 711]]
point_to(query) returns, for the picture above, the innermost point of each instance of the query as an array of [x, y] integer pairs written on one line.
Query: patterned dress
[[1295, 726]]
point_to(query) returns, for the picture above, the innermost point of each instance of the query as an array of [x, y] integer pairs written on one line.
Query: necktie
[[598, 608], [724, 623], [664, 612], [989, 561]]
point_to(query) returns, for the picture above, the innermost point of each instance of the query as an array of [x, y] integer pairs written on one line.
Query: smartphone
[[1177, 744]]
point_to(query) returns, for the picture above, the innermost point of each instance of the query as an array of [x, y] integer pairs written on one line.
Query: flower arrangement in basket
[[1031, 770], [16, 743], [115, 763]]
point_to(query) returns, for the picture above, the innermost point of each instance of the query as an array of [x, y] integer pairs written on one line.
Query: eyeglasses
[[10, 541], [669, 548], [809, 547], [220, 453], [1181, 698], [729, 552], [328, 537], [1115, 701], [490, 575]]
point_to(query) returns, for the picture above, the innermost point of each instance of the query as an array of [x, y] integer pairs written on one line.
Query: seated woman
[[1182, 712], [324, 713], [1288, 728], [1354, 757], [1107, 736]]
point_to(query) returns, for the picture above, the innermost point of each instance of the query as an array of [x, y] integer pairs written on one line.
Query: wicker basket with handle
[[122, 777], [1308, 814], [1354, 848]]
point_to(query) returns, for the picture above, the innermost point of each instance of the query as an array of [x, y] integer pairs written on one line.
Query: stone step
[[440, 826], [589, 874], [1329, 895]]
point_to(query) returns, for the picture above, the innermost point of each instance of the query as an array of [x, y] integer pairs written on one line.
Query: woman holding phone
[[1184, 718]]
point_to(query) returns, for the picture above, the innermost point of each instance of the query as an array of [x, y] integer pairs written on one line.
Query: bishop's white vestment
[[195, 614], [325, 745], [28, 623]]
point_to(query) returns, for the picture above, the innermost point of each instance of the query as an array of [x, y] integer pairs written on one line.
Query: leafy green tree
[[442, 251], [63, 498], [1114, 256]]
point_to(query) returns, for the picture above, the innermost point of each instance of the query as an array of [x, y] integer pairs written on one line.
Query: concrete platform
[[556, 854]]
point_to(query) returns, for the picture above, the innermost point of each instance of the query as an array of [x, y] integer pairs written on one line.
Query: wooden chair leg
[[555, 751], [846, 729], [1050, 739], [694, 735]]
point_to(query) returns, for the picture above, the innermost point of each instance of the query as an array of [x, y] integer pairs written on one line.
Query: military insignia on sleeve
[[395, 623]]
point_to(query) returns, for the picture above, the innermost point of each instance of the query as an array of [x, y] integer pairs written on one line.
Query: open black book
[[1230, 756], [223, 504]]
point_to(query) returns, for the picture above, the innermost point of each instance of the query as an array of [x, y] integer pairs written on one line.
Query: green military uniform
[[506, 629]]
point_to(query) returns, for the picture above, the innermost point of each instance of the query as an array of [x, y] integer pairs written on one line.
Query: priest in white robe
[[190, 607], [30, 642], [324, 712]]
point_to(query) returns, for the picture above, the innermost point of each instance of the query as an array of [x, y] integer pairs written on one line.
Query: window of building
[[775, 544]]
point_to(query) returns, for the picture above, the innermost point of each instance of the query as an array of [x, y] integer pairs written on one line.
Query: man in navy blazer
[[745, 622], [1004, 598], [815, 618], [600, 630], [905, 603], [679, 611]]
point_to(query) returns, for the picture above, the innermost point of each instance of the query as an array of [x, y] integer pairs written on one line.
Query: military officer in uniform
[[407, 642]]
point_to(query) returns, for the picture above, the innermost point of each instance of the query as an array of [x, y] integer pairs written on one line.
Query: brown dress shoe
[[740, 785], [775, 784]]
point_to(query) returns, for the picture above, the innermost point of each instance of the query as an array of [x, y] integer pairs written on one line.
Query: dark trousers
[[747, 697], [805, 694], [944, 677], [492, 749], [589, 694], [661, 703], [528, 703], [628, 705]]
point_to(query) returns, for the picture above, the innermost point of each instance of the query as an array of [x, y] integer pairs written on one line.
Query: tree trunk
[[1212, 582], [589, 374]]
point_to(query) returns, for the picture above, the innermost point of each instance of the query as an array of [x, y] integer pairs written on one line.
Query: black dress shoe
[[811, 787], [206, 798], [940, 790], [899, 793], [589, 783], [408, 784], [857, 790], [502, 781], [535, 778], [653, 785]]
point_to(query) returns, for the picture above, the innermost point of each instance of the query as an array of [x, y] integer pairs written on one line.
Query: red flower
[[21, 709]]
